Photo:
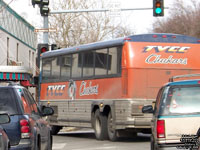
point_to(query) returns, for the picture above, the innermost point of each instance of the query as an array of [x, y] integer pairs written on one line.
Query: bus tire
[[55, 130], [112, 133], [99, 123]]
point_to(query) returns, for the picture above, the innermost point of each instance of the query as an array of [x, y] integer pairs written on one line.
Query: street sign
[[114, 8], [46, 30]]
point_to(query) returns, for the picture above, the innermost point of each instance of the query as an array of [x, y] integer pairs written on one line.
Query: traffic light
[[44, 9], [41, 48], [158, 8], [43, 4], [35, 2], [53, 47]]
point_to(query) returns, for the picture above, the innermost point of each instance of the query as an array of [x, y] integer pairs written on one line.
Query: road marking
[[58, 146]]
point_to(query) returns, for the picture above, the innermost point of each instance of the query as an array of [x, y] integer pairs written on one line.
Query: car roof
[[10, 85], [184, 82]]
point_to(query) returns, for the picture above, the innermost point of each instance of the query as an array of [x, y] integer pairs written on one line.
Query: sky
[[140, 21]]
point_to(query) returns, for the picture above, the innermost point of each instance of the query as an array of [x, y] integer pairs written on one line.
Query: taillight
[[25, 129], [161, 129], [24, 122]]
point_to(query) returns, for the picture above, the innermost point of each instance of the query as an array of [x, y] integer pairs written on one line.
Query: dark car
[[4, 141], [27, 129]]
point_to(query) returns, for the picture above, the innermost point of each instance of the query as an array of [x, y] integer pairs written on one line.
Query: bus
[[104, 85]]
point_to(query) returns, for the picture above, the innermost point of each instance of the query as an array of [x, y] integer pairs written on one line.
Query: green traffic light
[[158, 10]]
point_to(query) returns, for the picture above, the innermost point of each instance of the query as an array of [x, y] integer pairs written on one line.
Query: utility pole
[[44, 11], [46, 26]]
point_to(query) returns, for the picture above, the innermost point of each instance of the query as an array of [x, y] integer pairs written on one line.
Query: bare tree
[[80, 28], [184, 19]]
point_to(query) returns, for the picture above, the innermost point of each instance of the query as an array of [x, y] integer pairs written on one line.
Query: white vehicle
[[176, 115]]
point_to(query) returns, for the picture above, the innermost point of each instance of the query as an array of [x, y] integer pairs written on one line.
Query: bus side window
[[55, 71], [101, 62], [46, 68], [113, 58], [88, 64], [76, 69], [65, 64]]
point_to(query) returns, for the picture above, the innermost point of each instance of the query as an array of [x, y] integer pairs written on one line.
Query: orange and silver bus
[[104, 85]]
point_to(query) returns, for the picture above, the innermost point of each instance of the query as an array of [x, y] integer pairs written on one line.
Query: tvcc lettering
[[166, 49], [55, 90]]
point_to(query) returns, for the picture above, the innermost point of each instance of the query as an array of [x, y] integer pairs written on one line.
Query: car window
[[182, 100], [7, 101], [31, 101], [27, 108], [158, 101], [24, 102]]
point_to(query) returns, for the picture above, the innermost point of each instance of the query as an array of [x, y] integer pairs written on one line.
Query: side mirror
[[147, 109], [4, 118], [47, 111]]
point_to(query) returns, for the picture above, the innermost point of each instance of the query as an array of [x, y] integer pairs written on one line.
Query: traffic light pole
[[45, 34], [46, 26], [94, 10]]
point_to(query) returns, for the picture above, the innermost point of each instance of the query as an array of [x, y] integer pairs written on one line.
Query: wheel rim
[[110, 124]]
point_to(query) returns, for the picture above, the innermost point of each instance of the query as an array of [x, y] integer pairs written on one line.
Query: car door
[[39, 123]]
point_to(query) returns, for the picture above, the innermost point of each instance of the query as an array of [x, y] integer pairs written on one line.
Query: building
[[17, 39], [17, 47]]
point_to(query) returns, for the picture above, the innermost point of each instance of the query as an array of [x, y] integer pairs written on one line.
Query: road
[[85, 140]]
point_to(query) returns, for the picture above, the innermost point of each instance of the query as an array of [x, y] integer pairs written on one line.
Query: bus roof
[[157, 37]]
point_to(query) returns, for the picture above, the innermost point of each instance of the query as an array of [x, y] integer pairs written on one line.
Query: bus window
[[76, 69], [55, 71], [46, 68], [88, 64], [65, 66], [101, 62], [113, 66]]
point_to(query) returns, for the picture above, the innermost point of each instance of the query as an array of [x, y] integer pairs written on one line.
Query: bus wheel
[[100, 121], [112, 133], [55, 130]]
